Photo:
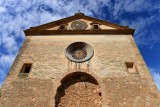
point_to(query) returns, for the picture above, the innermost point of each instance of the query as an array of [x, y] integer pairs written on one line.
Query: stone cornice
[[66, 32]]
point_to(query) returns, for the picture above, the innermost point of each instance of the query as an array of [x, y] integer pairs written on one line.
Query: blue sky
[[142, 15]]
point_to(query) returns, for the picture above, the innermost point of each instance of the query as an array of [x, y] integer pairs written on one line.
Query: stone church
[[79, 61]]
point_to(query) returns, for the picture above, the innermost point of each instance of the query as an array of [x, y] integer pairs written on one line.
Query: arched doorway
[[78, 89]]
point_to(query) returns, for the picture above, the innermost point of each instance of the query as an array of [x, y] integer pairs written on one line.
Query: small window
[[62, 27], [25, 70], [96, 26], [131, 67]]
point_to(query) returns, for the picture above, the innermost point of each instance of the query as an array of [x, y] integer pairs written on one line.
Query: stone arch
[[78, 89]]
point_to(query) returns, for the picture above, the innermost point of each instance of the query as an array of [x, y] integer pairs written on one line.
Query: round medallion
[[79, 25], [79, 52]]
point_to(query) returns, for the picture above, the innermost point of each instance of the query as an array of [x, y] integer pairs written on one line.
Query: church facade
[[79, 61]]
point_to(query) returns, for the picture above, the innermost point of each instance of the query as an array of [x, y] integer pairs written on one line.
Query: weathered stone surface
[[28, 93], [117, 86], [78, 89]]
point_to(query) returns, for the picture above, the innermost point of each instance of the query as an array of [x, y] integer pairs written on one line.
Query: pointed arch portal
[[78, 89]]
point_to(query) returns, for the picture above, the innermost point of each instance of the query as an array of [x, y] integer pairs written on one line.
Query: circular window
[[79, 25], [79, 52]]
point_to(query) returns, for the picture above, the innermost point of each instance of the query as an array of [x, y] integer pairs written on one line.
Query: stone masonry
[[118, 87]]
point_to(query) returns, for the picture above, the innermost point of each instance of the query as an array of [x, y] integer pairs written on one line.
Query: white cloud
[[9, 43], [5, 63], [6, 60], [143, 35], [2, 76], [0, 41], [137, 5], [134, 6], [2, 9], [118, 6], [156, 76]]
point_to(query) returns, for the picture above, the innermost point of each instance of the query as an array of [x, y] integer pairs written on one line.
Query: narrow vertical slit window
[[131, 68], [25, 70]]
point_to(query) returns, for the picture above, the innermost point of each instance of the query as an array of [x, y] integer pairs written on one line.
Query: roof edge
[[66, 32], [78, 15]]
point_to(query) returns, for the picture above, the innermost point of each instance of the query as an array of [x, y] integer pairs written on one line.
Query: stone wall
[[118, 87], [78, 89]]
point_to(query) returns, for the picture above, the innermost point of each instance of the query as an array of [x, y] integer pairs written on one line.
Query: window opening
[[131, 67], [62, 27], [25, 70], [96, 26]]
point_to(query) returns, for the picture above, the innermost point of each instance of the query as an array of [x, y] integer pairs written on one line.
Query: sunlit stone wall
[[118, 87]]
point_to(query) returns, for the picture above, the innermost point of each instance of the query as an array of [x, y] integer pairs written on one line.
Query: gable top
[[47, 28]]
